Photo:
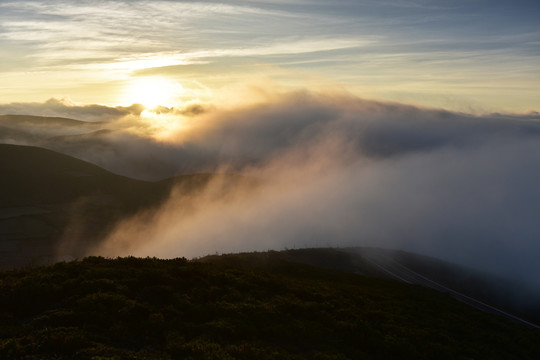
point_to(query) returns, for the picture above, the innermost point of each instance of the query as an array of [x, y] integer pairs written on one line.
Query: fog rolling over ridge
[[331, 170]]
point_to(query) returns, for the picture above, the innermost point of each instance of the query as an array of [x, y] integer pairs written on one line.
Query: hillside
[[247, 306], [28, 129], [44, 121], [47, 197], [100, 143], [34, 176], [512, 299], [306, 303]]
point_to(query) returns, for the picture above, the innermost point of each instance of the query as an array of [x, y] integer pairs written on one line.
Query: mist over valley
[[331, 170]]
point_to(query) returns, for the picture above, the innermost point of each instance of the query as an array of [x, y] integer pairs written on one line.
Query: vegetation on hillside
[[246, 306]]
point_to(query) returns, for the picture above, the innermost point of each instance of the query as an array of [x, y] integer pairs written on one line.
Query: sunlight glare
[[164, 127], [153, 91]]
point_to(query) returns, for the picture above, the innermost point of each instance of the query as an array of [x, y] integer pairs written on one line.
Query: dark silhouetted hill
[[47, 197]]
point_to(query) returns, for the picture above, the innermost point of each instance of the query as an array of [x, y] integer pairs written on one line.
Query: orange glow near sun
[[152, 92]]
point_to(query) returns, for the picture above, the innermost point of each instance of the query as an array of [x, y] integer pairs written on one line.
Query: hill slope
[[32, 176], [239, 307], [100, 143], [46, 196], [512, 299]]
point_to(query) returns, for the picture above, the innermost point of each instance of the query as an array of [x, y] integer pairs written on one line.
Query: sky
[[475, 56]]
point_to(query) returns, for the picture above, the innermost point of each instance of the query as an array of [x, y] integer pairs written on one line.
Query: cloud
[[202, 137], [474, 206], [65, 108], [336, 170], [331, 170]]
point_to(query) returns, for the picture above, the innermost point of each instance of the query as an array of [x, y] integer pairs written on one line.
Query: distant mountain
[[100, 143], [36, 130], [32, 176], [243, 306], [44, 121]]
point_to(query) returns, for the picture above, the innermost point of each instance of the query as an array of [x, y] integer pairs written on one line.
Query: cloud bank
[[332, 170], [472, 206]]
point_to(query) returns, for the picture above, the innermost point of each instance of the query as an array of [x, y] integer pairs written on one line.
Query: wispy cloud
[[373, 48]]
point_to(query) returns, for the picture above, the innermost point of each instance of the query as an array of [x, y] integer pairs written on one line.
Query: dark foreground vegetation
[[249, 306]]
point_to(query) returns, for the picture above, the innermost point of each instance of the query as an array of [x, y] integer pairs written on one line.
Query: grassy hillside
[[512, 296], [46, 197], [248, 306], [33, 176]]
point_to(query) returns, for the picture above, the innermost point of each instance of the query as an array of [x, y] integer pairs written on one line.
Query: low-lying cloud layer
[[331, 170], [65, 108]]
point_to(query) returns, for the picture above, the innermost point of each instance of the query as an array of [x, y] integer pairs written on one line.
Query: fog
[[330, 169], [476, 207]]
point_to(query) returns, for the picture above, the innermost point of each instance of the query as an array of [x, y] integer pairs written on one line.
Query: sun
[[152, 92]]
